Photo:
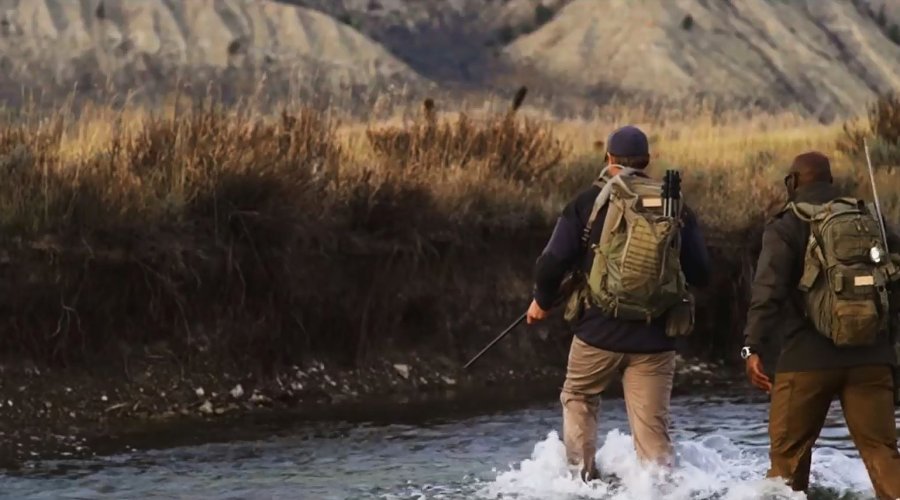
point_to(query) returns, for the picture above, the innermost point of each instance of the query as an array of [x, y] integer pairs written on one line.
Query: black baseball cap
[[628, 141]]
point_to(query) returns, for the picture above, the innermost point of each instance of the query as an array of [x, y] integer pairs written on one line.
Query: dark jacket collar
[[817, 192]]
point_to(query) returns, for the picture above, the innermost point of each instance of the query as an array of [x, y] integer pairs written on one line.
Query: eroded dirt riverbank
[[71, 413]]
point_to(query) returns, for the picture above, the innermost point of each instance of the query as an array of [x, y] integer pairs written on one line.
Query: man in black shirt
[[811, 370], [603, 345]]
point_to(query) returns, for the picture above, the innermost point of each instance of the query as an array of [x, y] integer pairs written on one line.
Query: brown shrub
[[882, 131], [503, 144], [159, 229], [212, 232]]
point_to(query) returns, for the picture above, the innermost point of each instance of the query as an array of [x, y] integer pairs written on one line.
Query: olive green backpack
[[636, 268], [846, 292]]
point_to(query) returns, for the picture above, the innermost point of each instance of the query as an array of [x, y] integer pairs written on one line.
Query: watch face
[[745, 352]]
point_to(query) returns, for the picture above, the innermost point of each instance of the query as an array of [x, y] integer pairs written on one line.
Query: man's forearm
[[769, 291], [695, 261], [557, 258], [549, 273], [756, 335]]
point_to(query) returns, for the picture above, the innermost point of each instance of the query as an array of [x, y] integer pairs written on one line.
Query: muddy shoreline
[[62, 414]]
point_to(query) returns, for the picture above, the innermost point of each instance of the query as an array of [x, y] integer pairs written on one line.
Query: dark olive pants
[[800, 402]]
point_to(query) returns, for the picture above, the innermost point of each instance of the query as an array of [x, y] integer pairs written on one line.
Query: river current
[[510, 454]]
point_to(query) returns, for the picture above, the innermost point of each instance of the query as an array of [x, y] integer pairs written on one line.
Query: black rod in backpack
[[676, 194], [880, 215], [671, 194], [667, 192]]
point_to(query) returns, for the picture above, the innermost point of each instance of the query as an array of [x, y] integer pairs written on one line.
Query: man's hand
[[535, 313], [756, 375]]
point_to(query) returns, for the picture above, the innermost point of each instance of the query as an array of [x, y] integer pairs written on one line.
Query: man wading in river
[[820, 287], [631, 300]]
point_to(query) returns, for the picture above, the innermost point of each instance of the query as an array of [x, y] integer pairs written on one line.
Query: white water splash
[[708, 467]]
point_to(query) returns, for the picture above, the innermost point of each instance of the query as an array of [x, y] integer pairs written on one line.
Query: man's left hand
[[756, 374], [535, 313]]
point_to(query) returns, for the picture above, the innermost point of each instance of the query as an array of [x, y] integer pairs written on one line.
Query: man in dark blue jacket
[[605, 346]]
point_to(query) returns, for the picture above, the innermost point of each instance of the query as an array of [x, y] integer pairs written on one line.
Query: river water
[[510, 454]]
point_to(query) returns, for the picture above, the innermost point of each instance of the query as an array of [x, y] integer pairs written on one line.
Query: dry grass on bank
[[733, 165], [140, 164], [270, 237]]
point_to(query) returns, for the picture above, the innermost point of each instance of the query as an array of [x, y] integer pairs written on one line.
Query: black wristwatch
[[747, 351]]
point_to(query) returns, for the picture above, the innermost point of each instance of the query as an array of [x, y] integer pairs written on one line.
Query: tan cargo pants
[[647, 383], [800, 402]]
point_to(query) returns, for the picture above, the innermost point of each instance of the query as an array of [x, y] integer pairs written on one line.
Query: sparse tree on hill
[[894, 34], [542, 14], [881, 18]]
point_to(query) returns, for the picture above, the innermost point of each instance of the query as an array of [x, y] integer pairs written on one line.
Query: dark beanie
[[628, 141], [812, 167]]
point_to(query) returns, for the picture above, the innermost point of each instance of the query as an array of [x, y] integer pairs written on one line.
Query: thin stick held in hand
[[497, 339], [565, 288]]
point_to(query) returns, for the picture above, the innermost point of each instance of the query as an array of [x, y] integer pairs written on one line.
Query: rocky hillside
[[824, 58], [139, 42], [454, 41]]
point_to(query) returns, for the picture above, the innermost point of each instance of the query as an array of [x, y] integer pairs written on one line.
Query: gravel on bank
[[48, 414]]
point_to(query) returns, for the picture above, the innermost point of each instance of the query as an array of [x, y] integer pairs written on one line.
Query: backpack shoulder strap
[[601, 183], [807, 212], [813, 214], [606, 183], [847, 200]]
